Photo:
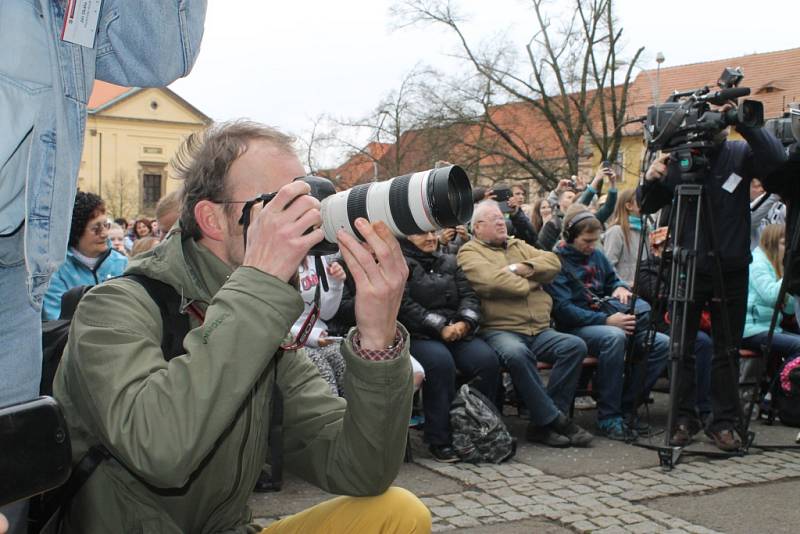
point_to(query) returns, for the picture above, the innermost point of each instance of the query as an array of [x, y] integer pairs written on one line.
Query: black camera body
[[786, 128], [685, 123]]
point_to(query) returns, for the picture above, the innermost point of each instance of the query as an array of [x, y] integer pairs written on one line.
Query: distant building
[[774, 78], [131, 135]]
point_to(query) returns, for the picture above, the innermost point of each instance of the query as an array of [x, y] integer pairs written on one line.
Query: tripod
[[692, 205]]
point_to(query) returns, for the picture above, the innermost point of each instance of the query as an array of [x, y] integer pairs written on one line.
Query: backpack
[[787, 393], [44, 509], [479, 434]]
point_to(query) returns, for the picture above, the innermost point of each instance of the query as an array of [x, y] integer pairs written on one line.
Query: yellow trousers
[[396, 511]]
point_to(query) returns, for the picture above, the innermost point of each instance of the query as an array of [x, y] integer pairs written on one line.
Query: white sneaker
[[585, 402]]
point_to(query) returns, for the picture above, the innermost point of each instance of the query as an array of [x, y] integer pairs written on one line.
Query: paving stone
[[464, 521], [500, 508], [573, 518], [445, 511], [479, 512], [646, 527], [631, 519], [613, 490], [431, 501], [615, 529], [443, 527], [515, 516], [584, 526], [486, 499], [517, 500], [606, 521], [565, 493]]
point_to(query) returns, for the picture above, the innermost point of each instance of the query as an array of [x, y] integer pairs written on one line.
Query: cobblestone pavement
[[576, 490]]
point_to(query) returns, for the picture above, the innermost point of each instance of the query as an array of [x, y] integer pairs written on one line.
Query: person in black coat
[[442, 312]]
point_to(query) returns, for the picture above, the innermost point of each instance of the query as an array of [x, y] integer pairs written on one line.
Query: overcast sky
[[284, 63]]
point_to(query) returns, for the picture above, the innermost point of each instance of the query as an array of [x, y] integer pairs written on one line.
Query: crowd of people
[[172, 431]]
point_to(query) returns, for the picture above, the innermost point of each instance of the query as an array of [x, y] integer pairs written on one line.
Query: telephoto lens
[[410, 204]]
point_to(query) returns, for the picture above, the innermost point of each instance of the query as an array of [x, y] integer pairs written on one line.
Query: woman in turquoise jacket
[[90, 259], [766, 274]]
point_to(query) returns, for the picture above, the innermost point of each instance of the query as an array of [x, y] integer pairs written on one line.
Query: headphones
[[569, 230]]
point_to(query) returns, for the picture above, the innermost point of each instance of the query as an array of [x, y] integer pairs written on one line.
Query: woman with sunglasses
[[90, 260]]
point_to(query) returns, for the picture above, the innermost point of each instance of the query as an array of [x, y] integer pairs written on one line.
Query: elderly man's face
[[490, 226], [261, 169]]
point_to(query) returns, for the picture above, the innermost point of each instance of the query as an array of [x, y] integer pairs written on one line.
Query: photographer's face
[[261, 169]]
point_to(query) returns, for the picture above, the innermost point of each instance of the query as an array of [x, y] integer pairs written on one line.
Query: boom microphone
[[723, 95]]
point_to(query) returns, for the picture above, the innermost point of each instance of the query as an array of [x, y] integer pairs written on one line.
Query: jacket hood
[[201, 273]]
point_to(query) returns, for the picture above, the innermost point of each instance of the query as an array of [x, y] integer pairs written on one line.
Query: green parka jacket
[[189, 436]]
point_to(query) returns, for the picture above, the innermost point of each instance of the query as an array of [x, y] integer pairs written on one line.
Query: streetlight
[[659, 60]]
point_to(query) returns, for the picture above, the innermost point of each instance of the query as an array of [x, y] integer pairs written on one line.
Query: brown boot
[[725, 439]]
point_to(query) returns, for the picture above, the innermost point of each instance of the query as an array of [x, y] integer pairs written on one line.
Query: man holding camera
[[187, 438], [732, 165]]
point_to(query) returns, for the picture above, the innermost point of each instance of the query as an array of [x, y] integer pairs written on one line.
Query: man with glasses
[[90, 259], [507, 274], [187, 438]]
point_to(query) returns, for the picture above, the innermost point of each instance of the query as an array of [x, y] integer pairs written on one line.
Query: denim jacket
[[136, 45]]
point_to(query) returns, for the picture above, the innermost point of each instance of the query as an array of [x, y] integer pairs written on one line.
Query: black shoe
[[546, 435], [638, 427], [444, 453], [264, 484], [578, 437]]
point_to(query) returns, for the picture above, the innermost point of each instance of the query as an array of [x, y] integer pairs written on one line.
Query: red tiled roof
[[104, 92], [773, 77]]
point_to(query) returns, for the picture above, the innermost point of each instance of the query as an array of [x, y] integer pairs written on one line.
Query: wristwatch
[[513, 268]]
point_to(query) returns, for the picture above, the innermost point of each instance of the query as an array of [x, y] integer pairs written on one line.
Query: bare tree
[[569, 80], [121, 196], [405, 132]]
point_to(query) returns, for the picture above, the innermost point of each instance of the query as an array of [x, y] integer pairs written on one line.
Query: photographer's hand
[[657, 169], [622, 320], [380, 281], [276, 240]]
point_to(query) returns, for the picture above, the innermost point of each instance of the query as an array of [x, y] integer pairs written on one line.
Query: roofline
[[733, 58], [135, 90]]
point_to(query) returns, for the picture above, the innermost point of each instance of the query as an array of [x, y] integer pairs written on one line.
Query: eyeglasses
[[97, 229], [492, 220]]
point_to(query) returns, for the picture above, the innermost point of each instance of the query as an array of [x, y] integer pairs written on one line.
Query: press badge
[[80, 22], [732, 182]]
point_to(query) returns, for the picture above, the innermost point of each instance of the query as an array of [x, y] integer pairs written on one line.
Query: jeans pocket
[[12, 251]]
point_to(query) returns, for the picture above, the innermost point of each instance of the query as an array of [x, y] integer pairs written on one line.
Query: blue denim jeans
[[703, 354], [519, 354], [785, 345], [608, 344], [474, 358], [20, 343]]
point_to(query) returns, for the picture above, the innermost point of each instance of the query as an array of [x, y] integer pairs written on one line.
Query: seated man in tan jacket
[[508, 274]]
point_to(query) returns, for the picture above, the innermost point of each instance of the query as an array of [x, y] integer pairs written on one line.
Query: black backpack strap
[[70, 300], [175, 323], [275, 435]]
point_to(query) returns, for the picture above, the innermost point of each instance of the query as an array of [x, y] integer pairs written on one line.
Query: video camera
[[786, 128], [687, 125]]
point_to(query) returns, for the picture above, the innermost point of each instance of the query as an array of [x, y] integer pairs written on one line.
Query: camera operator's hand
[[380, 281], [461, 230], [514, 203], [3, 524], [624, 321], [276, 240], [657, 169], [622, 294]]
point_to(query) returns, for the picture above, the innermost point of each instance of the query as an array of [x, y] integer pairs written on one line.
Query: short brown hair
[[204, 159], [589, 224]]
